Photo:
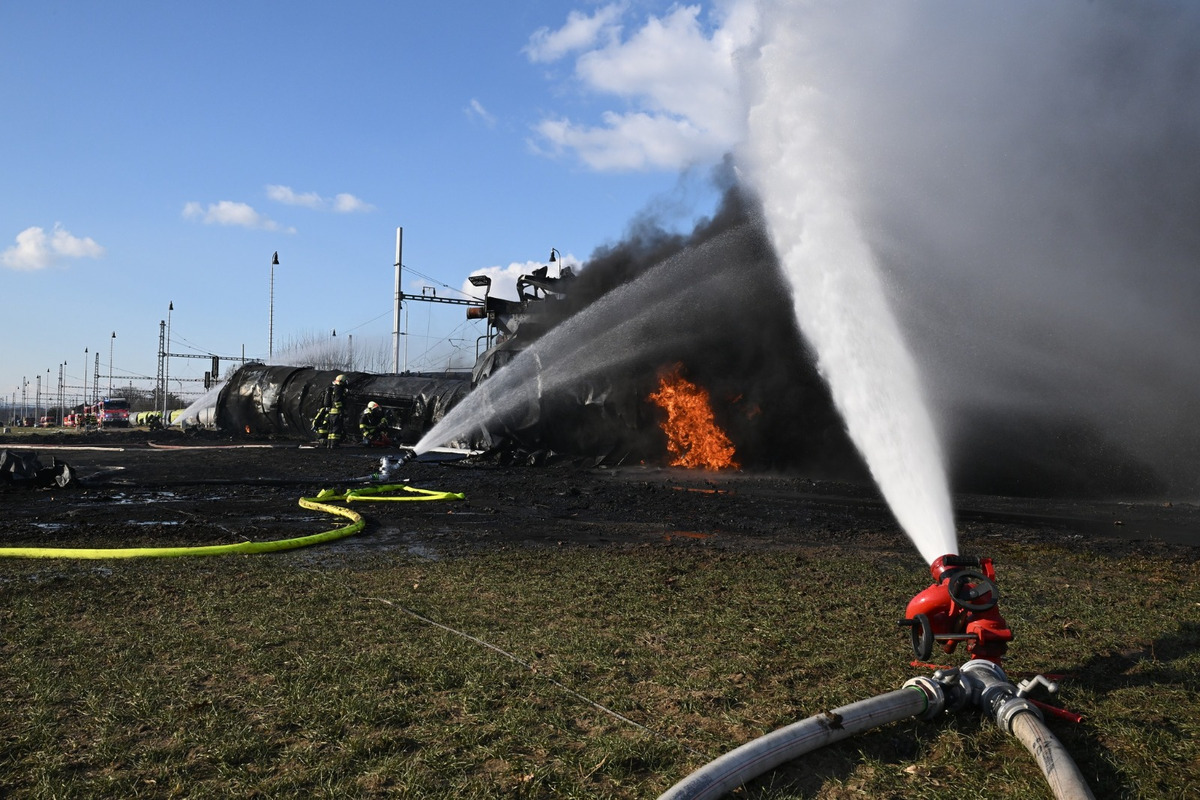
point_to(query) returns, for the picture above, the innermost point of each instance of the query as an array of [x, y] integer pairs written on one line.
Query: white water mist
[[838, 296], [627, 324]]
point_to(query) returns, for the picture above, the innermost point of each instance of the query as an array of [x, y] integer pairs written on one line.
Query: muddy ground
[[136, 488]]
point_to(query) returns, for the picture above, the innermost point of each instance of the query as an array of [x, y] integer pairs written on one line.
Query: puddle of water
[[414, 543], [124, 499], [425, 552]]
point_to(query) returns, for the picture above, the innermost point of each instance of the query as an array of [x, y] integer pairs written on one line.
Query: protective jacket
[[373, 422]]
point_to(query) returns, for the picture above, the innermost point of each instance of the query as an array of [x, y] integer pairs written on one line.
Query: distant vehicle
[[80, 417], [48, 422], [112, 412]]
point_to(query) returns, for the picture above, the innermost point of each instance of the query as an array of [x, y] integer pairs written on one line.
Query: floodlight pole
[[398, 305], [271, 313], [111, 342], [167, 365]]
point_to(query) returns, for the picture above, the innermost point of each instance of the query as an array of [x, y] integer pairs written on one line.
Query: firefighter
[[374, 424], [329, 418]]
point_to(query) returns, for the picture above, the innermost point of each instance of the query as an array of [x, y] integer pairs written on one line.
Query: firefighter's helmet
[[372, 405], [340, 379]]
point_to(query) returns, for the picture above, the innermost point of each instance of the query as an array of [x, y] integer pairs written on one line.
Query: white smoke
[[1029, 178]]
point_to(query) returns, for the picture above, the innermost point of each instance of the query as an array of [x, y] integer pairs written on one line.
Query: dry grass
[[288, 675]]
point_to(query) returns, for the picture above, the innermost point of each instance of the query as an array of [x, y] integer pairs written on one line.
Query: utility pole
[[271, 313], [111, 342], [167, 366], [399, 302], [158, 381]]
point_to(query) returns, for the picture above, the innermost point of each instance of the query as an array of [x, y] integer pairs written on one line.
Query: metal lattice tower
[[159, 394]]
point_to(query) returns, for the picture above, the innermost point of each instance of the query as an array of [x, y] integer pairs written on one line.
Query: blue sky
[[157, 153]]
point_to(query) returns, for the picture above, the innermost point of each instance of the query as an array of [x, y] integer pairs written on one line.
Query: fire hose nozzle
[[952, 561], [960, 606], [390, 465]]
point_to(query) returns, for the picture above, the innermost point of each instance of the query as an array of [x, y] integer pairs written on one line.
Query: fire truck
[[112, 412]]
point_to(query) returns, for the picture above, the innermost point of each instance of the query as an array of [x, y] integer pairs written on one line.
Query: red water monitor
[[960, 606]]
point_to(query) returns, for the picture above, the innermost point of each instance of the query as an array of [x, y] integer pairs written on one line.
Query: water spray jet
[[635, 323]]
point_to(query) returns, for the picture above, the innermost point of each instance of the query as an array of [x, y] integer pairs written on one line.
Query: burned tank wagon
[[593, 417], [282, 401], [717, 317]]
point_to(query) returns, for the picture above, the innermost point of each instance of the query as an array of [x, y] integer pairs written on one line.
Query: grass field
[[305, 675]]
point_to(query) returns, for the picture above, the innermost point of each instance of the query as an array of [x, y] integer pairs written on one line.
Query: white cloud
[[579, 33], [35, 250], [504, 279], [285, 195], [679, 78], [228, 212], [342, 203], [347, 204], [476, 110], [633, 141]]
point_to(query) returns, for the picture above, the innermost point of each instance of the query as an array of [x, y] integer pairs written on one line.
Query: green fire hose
[[319, 503]]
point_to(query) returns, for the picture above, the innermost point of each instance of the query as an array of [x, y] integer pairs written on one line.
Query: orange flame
[[693, 437]]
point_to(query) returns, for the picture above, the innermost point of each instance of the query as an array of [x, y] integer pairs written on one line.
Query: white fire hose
[[767, 752], [979, 682]]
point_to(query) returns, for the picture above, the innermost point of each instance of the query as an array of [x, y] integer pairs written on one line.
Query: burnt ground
[[136, 488]]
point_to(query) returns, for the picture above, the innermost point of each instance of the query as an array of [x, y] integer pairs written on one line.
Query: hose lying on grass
[[318, 503], [735, 768]]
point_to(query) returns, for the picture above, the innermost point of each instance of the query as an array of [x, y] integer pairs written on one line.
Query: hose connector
[[935, 696], [1010, 708], [958, 694], [992, 691]]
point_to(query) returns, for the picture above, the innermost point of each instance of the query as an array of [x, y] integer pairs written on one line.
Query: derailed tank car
[[282, 400], [606, 416]]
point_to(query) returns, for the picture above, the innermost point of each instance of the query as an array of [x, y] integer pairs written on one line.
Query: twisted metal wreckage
[[606, 418]]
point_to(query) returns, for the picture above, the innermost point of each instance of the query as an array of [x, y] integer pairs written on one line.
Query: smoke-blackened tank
[[283, 401]]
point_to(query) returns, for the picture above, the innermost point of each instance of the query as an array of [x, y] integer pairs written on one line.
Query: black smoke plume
[[741, 342]]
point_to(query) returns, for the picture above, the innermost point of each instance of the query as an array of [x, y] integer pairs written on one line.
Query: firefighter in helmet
[[374, 424], [328, 422]]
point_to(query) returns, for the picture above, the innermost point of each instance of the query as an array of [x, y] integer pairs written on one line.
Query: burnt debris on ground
[[170, 488]]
